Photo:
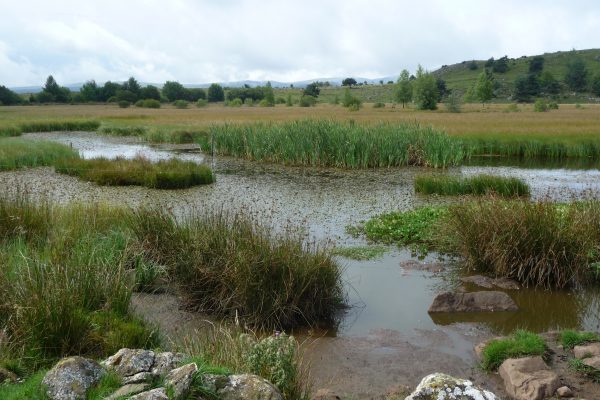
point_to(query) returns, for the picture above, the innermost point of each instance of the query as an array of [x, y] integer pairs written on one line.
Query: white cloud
[[202, 41]]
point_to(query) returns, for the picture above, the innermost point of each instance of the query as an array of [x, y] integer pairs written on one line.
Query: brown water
[[383, 293]]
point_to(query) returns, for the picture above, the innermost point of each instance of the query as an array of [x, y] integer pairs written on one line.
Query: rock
[[445, 387], [6, 375], [433, 267], [506, 283], [326, 394], [593, 362], [487, 301], [180, 379], [165, 362], [587, 350], [528, 378], [154, 394], [71, 378], [241, 387], [140, 377], [489, 283], [128, 362], [128, 390], [564, 391]]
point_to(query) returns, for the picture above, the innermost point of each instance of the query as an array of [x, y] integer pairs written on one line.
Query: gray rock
[[487, 301], [128, 390], [140, 377], [593, 362], [6, 375], [564, 391], [154, 394], [445, 387], [165, 362], [180, 379], [71, 378], [528, 378], [241, 387], [128, 362], [326, 394], [587, 350]]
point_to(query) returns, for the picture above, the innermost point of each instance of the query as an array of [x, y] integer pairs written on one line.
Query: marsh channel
[[387, 337]]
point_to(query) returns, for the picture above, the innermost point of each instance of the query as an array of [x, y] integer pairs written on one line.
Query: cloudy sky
[[196, 41]]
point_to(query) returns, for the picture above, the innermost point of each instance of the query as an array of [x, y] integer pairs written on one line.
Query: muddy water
[[388, 323]]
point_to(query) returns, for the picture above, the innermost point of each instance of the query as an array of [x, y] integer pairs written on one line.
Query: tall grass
[[446, 185], [540, 244], [165, 174], [534, 148], [49, 126], [229, 266], [115, 130], [337, 144], [19, 153]]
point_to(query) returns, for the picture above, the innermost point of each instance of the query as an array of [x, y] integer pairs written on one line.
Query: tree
[[526, 86], [596, 85], [490, 63], [442, 89], [548, 83], [269, 97], [472, 65], [500, 65], [484, 88], [133, 86], [90, 91], [55, 93], [349, 82], [404, 90], [576, 76], [195, 94], [312, 90], [126, 95], [109, 90], [536, 65], [174, 91], [8, 97], [149, 92], [425, 91], [215, 93]]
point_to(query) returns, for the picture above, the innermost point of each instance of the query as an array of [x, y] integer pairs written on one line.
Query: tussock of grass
[[540, 244], [477, 185], [337, 144], [522, 343], [230, 266], [166, 174], [360, 252], [18, 153], [570, 339]]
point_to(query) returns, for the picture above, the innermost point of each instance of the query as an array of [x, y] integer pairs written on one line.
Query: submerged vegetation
[[446, 185], [521, 343]]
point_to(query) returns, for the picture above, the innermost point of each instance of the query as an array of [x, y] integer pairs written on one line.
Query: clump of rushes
[[540, 244], [58, 125], [535, 148], [338, 144], [478, 185], [112, 130], [570, 339], [521, 343], [228, 265], [180, 136], [165, 174], [405, 228], [19, 153]]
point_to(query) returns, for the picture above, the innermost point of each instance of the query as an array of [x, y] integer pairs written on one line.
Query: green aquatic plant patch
[[446, 185]]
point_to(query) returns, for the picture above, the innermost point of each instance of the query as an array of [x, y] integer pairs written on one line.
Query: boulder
[[71, 378], [180, 379], [326, 394], [593, 362], [128, 390], [165, 362], [128, 362], [587, 350], [241, 387], [154, 394], [445, 387], [140, 377], [528, 378], [564, 391], [487, 301], [489, 283], [6, 375]]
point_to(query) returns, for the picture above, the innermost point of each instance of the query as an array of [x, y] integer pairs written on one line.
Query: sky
[[200, 41]]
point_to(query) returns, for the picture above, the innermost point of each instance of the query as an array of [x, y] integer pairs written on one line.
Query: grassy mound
[[522, 343]]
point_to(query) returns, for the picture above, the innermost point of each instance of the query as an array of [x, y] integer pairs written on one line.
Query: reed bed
[[18, 153], [330, 143], [165, 174], [446, 185], [535, 148]]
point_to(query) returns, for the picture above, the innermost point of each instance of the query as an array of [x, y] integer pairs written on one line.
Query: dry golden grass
[[474, 121]]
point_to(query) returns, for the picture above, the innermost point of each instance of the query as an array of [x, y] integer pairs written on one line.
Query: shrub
[[237, 102], [351, 101], [248, 101], [478, 185], [124, 104], [181, 104], [553, 105], [379, 105], [354, 107], [512, 107], [265, 103], [280, 100], [151, 103], [201, 103], [540, 105], [307, 101], [139, 103], [454, 102], [521, 343]]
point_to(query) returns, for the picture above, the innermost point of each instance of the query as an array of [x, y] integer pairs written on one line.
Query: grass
[[334, 144], [229, 266], [49, 126], [590, 372], [570, 339], [446, 185], [18, 153], [361, 253], [165, 174], [30, 389], [521, 343]]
